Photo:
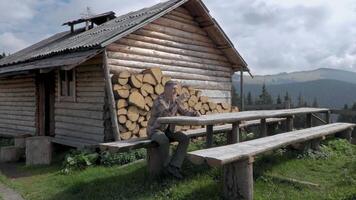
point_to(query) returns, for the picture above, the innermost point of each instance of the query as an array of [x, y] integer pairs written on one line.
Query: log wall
[[83, 121], [18, 105], [181, 48]]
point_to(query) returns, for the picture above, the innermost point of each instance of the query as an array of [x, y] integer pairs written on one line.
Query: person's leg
[[179, 155], [163, 147]]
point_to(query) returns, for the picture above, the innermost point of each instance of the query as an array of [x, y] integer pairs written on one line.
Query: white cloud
[[10, 43]]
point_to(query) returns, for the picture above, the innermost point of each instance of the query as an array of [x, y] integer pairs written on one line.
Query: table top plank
[[219, 156], [237, 116]]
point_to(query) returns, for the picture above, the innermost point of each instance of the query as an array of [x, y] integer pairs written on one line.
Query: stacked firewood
[[135, 93]]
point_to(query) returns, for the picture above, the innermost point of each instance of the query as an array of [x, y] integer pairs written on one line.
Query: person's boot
[[174, 171]]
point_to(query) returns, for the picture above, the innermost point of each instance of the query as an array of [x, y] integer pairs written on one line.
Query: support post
[[289, 123], [347, 134], [242, 90], [234, 134], [238, 180], [315, 144], [154, 161], [327, 117], [111, 99], [263, 128], [309, 120], [209, 136]]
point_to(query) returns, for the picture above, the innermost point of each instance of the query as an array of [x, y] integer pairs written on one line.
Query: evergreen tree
[[300, 100], [279, 100], [249, 99], [3, 55], [315, 103], [265, 97]]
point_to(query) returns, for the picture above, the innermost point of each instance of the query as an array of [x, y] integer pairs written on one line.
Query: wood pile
[[135, 93]]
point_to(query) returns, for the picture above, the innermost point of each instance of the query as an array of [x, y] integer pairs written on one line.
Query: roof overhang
[[66, 61]]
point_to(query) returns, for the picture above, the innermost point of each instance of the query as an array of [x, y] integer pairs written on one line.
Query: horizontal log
[[181, 19], [172, 62], [79, 135], [155, 34], [16, 80], [18, 85], [80, 113], [22, 104], [100, 100], [13, 132], [17, 99], [80, 121], [159, 47], [216, 93], [89, 68], [17, 90], [182, 15], [18, 108], [182, 10], [206, 84], [90, 74], [90, 83], [19, 95], [80, 106], [17, 117], [161, 54], [178, 33], [90, 89], [18, 127], [180, 26], [13, 112], [91, 94], [220, 100], [169, 43], [174, 68], [80, 128], [18, 122]]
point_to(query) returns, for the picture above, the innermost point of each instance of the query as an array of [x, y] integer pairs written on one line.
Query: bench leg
[[233, 136], [154, 161], [345, 134], [315, 144], [209, 136], [263, 128], [238, 180], [289, 123]]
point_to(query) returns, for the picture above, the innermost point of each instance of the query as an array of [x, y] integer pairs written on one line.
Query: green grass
[[334, 169]]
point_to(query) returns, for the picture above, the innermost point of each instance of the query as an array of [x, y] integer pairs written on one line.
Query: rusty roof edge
[[147, 21]]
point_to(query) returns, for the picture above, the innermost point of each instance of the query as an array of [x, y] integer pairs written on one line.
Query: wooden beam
[[111, 99]]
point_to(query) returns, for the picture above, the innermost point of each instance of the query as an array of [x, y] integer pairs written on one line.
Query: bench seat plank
[[230, 153], [126, 145]]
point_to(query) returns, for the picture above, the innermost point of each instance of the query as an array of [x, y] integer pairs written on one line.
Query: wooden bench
[[126, 145], [237, 159]]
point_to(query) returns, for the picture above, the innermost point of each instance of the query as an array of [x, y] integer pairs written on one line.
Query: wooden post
[[289, 123], [309, 120], [263, 128], [238, 180], [209, 136], [154, 161], [234, 134], [327, 117], [242, 90], [111, 99], [345, 134]]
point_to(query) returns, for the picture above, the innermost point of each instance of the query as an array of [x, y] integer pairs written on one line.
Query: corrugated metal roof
[[93, 38]]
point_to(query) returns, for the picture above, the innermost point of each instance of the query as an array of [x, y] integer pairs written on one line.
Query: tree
[[249, 99], [315, 102], [3, 55], [235, 101], [300, 100], [264, 97], [279, 100]]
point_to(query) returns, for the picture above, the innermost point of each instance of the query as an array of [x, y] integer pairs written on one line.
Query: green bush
[[109, 159]]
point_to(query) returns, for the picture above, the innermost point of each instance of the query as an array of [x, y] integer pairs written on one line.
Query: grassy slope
[[336, 175]]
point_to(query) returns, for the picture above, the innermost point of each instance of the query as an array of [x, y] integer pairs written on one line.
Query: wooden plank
[[80, 121], [80, 113], [18, 122], [91, 94], [17, 99], [18, 117], [8, 132], [90, 89], [18, 127], [231, 153], [79, 134], [18, 95], [19, 113], [80, 106], [80, 128], [99, 100], [17, 108]]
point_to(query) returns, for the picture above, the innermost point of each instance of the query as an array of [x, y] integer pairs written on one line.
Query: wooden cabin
[[61, 86]]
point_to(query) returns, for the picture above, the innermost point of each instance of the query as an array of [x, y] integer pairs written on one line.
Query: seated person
[[168, 105]]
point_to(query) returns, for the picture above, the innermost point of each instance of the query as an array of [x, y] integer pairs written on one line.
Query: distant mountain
[[332, 88], [329, 93], [302, 76]]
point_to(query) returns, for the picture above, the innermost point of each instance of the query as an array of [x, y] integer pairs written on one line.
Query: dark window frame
[[67, 85]]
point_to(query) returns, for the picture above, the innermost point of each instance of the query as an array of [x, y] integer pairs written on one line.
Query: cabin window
[[66, 85]]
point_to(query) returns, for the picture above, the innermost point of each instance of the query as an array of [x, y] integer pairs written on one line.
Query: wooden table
[[236, 118]]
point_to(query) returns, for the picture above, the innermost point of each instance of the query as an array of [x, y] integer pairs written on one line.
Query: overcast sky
[[273, 35]]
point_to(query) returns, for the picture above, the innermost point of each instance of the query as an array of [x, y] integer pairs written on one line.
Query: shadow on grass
[[134, 183]]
